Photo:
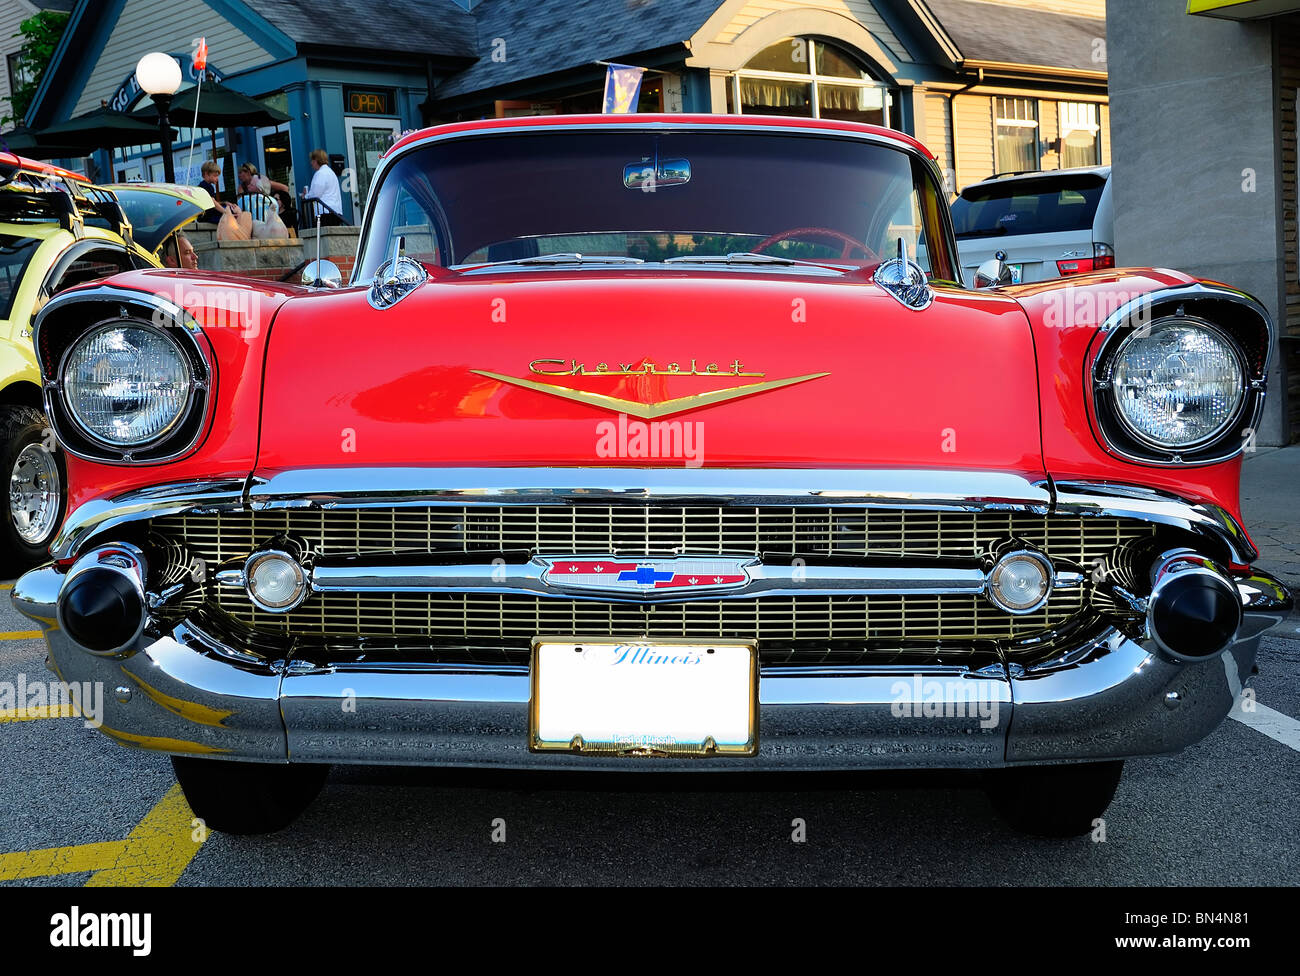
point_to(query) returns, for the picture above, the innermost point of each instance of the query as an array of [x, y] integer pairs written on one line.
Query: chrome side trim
[[103, 514], [1132, 501]]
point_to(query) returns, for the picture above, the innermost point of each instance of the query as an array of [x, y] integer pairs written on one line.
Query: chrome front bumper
[[1108, 697], [188, 689]]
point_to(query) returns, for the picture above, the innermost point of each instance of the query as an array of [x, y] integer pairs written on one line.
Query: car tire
[[248, 797], [1054, 801], [26, 462]]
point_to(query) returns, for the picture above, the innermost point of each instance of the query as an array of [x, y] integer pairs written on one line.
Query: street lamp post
[[159, 76]]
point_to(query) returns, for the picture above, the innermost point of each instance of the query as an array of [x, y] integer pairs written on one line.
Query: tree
[[41, 35]]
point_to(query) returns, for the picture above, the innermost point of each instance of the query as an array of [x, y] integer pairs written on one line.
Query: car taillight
[[1103, 256]]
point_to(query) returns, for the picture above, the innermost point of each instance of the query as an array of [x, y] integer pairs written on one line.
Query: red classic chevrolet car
[[655, 443]]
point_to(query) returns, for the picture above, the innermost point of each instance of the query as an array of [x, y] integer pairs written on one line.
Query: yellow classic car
[[58, 230]]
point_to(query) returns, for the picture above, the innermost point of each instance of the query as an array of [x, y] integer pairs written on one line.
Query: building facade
[[1205, 160], [12, 15], [991, 85]]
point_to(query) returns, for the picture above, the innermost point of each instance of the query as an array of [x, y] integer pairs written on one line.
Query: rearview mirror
[[322, 274], [648, 176]]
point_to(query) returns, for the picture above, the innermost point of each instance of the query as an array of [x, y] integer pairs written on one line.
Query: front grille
[[652, 530]]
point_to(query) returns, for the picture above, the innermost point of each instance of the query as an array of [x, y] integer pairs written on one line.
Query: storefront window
[[277, 156], [773, 96], [1017, 135], [1080, 134], [810, 79]]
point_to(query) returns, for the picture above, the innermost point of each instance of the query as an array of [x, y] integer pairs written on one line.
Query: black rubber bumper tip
[[1196, 616], [101, 610]]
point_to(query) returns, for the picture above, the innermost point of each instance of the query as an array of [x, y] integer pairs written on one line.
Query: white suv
[[1048, 224]]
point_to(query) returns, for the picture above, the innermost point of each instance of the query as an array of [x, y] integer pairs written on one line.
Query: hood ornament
[[396, 278], [905, 279]]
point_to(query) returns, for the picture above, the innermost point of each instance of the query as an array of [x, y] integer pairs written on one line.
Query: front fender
[[1066, 316]]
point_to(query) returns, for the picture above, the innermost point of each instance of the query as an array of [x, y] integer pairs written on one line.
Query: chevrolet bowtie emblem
[[649, 411]]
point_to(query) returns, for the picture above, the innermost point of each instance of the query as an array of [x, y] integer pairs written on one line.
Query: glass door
[[367, 140]]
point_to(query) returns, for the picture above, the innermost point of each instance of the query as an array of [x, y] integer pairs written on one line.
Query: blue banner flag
[[622, 86]]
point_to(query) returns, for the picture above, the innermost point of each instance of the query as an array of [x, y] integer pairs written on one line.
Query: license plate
[[1017, 273], [644, 698]]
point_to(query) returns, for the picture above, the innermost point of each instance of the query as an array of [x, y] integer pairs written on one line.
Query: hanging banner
[[622, 86]]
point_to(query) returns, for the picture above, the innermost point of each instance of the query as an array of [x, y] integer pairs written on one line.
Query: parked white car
[[1046, 224]]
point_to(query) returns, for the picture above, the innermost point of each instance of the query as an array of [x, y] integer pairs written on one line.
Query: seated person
[[178, 252]]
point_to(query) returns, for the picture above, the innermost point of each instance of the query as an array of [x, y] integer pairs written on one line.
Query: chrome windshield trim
[[388, 487], [656, 125]]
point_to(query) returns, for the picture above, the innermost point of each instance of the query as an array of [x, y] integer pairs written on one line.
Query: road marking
[[59, 860], [6, 586], [20, 635], [1270, 722], [66, 710], [153, 855], [158, 850]]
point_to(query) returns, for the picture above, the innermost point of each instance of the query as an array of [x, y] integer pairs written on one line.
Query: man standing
[[324, 190]]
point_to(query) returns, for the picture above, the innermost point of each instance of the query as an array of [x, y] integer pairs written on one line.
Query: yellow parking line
[[6, 586], [159, 848], [42, 711], [60, 860], [153, 855], [19, 634]]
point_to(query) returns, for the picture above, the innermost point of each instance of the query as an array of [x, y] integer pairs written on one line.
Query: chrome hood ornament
[[396, 278], [905, 279]]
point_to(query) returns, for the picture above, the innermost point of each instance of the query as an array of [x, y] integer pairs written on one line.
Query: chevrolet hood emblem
[[649, 411]]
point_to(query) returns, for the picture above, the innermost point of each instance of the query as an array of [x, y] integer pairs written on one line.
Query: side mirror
[[322, 274], [994, 272]]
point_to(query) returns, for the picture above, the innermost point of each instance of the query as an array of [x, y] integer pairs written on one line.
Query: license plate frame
[[558, 684]]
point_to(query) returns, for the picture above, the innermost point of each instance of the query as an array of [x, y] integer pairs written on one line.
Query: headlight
[[1179, 384], [126, 385]]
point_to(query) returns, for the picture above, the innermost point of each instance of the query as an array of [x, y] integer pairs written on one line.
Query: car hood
[[736, 369]]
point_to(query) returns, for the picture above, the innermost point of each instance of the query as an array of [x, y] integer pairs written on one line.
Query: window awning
[[1242, 9]]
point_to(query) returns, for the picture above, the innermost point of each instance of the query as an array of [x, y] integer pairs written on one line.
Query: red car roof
[[827, 125], [15, 161]]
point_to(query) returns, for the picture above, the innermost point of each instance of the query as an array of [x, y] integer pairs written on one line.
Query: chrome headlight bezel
[[1167, 322], [1234, 318], [122, 325], [62, 324]]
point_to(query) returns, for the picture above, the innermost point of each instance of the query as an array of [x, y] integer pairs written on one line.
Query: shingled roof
[[427, 27], [546, 36], [1020, 35]]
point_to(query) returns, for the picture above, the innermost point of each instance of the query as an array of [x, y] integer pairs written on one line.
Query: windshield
[[652, 196], [154, 214], [15, 253], [1043, 205]]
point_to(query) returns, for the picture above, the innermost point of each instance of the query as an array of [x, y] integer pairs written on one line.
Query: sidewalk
[[1270, 502]]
